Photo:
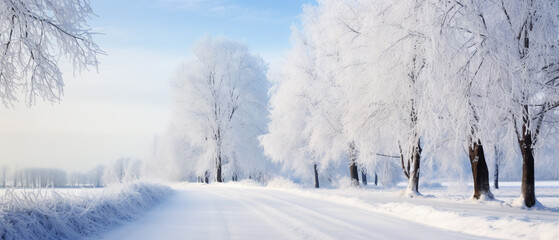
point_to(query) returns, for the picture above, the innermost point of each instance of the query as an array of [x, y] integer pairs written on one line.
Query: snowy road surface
[[221, 211]]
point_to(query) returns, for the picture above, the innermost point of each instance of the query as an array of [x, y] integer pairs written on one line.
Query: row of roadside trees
[[413, 80], [381, 85]]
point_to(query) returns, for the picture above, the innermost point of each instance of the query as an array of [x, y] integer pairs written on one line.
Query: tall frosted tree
[[530, 77], [382, 64], [287, 140], [33, 37], [329, 141], [220, 102], [460, 75]]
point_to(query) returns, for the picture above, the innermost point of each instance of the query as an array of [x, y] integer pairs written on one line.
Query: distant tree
[[220, 101], [95, 175], [4, 174], [498, 159], [42, 177], [33, 36], [122, 170]]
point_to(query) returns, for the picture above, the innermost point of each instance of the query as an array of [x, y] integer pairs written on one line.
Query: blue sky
[[170, 26], [118, 110]]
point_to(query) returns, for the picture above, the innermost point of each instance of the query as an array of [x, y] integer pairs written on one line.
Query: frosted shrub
[[49, 214]]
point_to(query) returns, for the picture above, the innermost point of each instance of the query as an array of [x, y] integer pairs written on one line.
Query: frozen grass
[[65, 214]]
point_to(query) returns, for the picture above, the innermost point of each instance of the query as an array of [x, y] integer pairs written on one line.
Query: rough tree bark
[[413, 184], [528, 184], [480, 173]]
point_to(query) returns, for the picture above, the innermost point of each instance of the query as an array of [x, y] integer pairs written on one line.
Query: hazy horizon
[[119, 110]]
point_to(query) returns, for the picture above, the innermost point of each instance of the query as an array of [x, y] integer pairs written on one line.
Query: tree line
[[119, 171], [376, 86], [411, 80]]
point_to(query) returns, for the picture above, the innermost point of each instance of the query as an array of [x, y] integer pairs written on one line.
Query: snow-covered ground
[[283, 210], [73, 213]]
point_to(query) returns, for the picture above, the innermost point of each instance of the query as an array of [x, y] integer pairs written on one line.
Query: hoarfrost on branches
[[34, 35]]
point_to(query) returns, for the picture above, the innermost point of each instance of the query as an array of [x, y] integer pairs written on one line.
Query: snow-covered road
[[223, 211]]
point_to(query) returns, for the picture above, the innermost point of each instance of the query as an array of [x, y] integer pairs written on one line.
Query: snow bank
[[492, 218], [51, 214], [491, 225]]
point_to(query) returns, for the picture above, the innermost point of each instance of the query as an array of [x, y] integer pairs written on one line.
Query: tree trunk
[[316, 185], [218, 169], [364, 178], [376, 179], [480, 173], [528, 185], [413, 181], [353, 173], [496, 174]]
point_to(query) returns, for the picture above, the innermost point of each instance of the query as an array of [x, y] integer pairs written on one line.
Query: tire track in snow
[[233, 228], [293, 227], [320, 218], [223, 211], [333, 220]]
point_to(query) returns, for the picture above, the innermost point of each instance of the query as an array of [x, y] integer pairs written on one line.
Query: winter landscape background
[[320, 119]]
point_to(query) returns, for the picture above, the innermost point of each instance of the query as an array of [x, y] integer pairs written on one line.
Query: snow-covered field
[[280, 210], [283, 210], [73, 213]]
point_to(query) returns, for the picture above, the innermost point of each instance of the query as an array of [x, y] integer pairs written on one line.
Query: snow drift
[[51, 214]]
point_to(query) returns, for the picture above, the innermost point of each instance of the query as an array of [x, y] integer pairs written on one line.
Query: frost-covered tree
[[329, 141], [530, 77], [122, 170], [382, 74], [220, 100], [287, 140], [459, 78], [172, 157], [34, 34]]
